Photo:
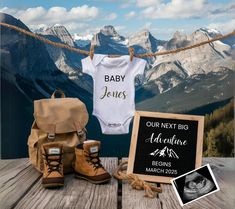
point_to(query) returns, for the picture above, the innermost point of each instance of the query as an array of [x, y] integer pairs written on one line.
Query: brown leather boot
[[88, 165], [53, 175]]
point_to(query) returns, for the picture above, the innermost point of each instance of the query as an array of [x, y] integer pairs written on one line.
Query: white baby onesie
[[114, 90]]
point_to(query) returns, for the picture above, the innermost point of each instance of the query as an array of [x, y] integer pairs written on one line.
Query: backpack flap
[[60, 115]]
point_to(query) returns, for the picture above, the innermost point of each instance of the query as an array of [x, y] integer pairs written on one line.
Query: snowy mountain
[[146, 40], [109, 30], [186, 80], [165, 152], [66, 61], [87, 37], [107, 35], [170, 70], [185, 69], [108, 41], [39, 30], [204, 59], [61, 32], [82, 41]]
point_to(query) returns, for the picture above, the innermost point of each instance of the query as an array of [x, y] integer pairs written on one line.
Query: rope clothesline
[[131, 50]]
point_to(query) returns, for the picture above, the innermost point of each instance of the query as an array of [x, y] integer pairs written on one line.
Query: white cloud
[[31, 14], [147, 25], [111, 16], [120, 27], [73, 18], [176, 9], [225, 27], [222, 11], [130, 15], [8, 10], [142, 3]]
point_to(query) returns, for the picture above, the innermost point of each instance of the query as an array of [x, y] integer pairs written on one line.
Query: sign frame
[[134, 138]]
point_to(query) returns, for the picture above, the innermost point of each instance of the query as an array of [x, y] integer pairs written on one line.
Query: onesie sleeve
[[139, 66], [87, 66]]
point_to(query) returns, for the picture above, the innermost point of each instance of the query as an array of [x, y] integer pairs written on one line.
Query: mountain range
[[164, 152], [66, 61], [162, 73], [188, 79], [178, 82]]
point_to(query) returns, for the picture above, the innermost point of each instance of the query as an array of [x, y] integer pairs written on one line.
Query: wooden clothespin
[[92, 51], [131, 52]]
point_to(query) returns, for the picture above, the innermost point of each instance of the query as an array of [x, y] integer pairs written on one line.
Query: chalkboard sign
[[164, 146]]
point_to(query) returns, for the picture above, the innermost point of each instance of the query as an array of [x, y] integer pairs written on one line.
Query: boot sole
[[91, 181]]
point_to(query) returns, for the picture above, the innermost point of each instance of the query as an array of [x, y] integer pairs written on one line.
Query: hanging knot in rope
[[136, 183], [131, 52], [92, 51]]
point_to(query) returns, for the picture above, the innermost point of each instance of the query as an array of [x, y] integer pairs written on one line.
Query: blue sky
[[161, 17]]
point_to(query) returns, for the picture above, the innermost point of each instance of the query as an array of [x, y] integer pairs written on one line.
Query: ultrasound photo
[[195, 185]]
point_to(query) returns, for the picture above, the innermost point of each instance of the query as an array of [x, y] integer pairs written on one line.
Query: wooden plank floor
[[20, 187], [16, 179]]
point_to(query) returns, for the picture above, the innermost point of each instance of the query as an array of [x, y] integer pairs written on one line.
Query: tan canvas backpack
[[61, 120]]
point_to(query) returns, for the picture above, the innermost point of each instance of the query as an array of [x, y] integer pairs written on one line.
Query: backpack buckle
[[51, 136], [80, 132]]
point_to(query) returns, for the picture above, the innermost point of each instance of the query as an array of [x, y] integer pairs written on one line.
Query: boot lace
[[53, 164], [94, 160]]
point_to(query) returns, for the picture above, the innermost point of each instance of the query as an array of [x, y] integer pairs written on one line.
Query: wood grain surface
[[20, 187]]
